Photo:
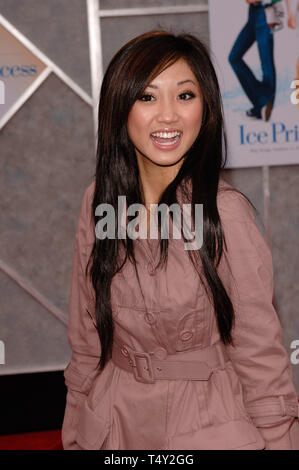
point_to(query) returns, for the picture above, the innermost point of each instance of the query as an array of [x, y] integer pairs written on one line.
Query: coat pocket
[[233, 435], [92, 429]]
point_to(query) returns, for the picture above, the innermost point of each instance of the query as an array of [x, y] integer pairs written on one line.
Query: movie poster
[[19, 69], [255, 49]]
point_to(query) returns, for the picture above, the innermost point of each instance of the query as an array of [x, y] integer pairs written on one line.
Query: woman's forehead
[[176, 73]]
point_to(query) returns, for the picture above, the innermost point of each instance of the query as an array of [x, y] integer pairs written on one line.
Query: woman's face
[[165, 121]]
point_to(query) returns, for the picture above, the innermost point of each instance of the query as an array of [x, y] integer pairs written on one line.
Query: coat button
[[124, 351], [151, 269], [186, 335], [160, 353], [150, 318]]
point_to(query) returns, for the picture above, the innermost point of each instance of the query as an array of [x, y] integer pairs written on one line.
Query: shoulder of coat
[[89, 192], [86, 221], [232, 205], [86, 204]]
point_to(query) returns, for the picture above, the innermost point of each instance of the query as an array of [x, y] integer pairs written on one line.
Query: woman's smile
[[166, 139]]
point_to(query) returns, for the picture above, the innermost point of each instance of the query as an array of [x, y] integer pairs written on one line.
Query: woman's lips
[[166, 143]]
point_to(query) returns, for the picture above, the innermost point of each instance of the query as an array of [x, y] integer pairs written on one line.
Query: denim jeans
[[256, 29]]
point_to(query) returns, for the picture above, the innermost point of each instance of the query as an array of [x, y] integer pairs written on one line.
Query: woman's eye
[[146, 97], [187, 95]]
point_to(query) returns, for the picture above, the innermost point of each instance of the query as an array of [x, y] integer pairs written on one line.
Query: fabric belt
[[147, 369], [273, 407]]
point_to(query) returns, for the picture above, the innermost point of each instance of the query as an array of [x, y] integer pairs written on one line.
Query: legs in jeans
[[256, 29], [265, 43]]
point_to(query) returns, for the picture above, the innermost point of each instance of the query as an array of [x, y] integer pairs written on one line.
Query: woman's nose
[[167, 112]]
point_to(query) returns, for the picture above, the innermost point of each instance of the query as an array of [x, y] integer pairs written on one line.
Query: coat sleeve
[[82, 334], [258, 357]]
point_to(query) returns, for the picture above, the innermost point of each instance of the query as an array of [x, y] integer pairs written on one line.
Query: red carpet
[[45, 440]]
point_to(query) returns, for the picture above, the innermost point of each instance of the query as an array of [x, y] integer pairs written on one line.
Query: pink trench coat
[[232, 398]]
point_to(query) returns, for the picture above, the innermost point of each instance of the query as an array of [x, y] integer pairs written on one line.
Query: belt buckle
[[149, 377]]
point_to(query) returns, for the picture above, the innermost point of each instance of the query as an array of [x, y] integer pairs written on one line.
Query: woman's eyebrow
[[188, 80]]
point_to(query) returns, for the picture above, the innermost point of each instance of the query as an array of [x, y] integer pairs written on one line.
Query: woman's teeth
[[170, 141], [166, 138], [166, 135]]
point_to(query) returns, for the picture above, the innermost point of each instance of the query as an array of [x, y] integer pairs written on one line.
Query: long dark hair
[[132, 68]]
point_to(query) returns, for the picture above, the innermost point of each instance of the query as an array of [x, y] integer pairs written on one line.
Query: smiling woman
[[166, 119], [182, 350]]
